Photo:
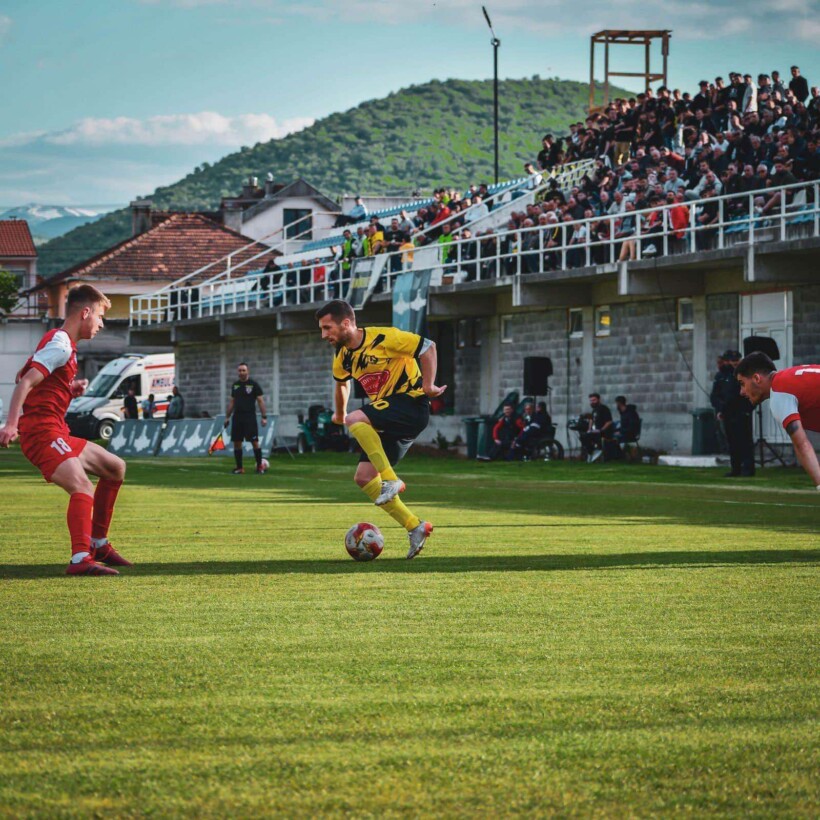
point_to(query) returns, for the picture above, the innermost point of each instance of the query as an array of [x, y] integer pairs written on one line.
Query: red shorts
[[48, 449]]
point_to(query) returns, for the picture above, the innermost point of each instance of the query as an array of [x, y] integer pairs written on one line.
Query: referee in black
[[245, 395]]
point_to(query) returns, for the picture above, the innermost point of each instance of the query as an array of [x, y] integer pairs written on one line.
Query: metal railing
[[164, 300], [666, 230]]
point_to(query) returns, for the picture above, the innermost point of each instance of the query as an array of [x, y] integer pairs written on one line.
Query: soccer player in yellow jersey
[[397, 370]]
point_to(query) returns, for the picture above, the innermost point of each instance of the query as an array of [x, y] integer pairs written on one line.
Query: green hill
[[424, 136]]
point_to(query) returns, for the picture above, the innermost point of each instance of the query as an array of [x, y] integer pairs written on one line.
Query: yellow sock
[[395, 508], [370, 442], [400, 514], [373, 488]]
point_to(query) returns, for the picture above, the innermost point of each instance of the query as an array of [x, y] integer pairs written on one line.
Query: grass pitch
[[586, 640]]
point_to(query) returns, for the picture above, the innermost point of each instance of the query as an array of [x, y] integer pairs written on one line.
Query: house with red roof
[[164, 247], [22, 328], [17, 252]]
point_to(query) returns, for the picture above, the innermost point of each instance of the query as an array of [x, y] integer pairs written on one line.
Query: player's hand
[[227, 422], [7, 435], [264, 422], [340, 420], [433, 391], [78, 387]]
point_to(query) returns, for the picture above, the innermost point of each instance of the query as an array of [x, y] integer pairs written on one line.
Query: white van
[[93, 414]]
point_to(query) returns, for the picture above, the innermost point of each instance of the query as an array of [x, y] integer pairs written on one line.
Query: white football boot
[[417, 538], [390, 489]]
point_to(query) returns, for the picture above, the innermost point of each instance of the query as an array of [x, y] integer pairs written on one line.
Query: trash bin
[[479, 436], [704, 432], [472, 423], [485, 436]]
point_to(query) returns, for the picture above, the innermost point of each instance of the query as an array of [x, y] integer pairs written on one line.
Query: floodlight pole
[[495, 44]]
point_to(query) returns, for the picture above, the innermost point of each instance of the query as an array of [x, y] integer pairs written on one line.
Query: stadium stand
[[658, 174]]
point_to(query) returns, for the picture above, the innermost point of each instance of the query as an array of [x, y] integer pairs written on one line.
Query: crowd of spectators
[[739, 138]]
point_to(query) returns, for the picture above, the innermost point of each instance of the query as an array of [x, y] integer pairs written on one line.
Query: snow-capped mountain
[[48, 221]]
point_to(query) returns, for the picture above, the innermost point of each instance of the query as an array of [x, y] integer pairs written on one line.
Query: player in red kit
[[45, 386], [794, 399]]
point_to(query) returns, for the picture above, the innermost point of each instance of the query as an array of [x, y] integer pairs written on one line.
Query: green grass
[[576, 640]]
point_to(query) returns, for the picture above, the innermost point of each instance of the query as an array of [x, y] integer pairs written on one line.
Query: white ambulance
[[94, 414]]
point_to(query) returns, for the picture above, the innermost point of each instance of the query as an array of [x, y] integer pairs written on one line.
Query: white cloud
[[698, 20], [5, 26], [203, 128], [694, 21]]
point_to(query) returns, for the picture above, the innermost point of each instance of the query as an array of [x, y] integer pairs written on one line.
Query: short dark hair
[[338, 310], [620, 399], [84, 296], [594, 396], [242, 364], [756, 362]]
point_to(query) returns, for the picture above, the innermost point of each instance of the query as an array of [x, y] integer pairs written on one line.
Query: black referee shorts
[[244, 428], [398, 420]]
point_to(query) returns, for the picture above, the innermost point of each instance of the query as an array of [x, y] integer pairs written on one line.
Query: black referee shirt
[[244, 395]]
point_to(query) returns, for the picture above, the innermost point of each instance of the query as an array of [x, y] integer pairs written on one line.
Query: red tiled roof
[[15, 238], [175, 247]]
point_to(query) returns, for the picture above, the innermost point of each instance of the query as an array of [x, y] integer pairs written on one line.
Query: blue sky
[[103, 100]]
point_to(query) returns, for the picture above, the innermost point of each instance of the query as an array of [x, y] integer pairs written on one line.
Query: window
[[603, 320], [298, 223], [686, 314], [506, 329], [478, 332], [19, 275], [462, 333], [576, 323]]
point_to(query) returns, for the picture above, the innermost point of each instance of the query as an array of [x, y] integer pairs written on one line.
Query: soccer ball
[[265, 464], [364, 542]]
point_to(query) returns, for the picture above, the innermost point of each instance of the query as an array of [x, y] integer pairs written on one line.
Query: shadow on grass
[[451, 564]]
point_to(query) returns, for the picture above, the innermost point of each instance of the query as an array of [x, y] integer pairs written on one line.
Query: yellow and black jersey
[[384, 364]]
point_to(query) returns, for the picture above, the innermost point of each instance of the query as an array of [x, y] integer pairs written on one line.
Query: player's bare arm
[[261, 402], [18, 398], [340, 399], [229, 412], [804, 451], [428, 362]]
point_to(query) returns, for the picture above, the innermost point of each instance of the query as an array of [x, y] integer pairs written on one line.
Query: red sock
[[104, 497], [79, 522]]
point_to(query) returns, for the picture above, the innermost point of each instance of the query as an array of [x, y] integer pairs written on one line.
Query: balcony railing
[[667, 230]]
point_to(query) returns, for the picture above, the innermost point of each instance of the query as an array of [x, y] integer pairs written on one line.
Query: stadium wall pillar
[[588, 355], [276, 392], [700, 361], [223, 377]]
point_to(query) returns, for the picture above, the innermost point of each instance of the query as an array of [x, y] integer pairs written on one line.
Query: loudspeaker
[[537, 370], [358, 390], [761, 344]]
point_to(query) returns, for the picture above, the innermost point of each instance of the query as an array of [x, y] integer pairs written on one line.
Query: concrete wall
[[806, 343], [17, 342], [666, 372], [293, 371]]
